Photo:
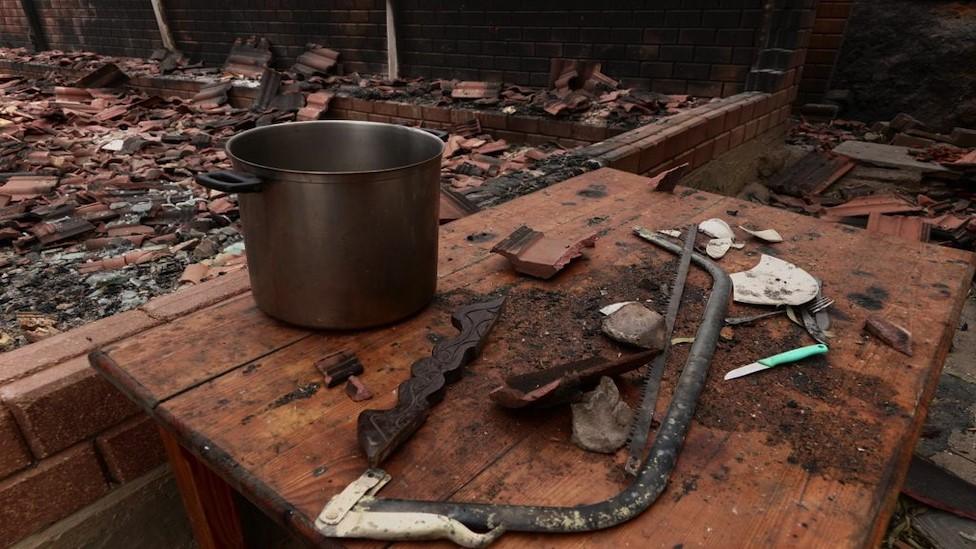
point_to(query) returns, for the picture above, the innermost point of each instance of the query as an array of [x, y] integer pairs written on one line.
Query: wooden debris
[[893, 335]]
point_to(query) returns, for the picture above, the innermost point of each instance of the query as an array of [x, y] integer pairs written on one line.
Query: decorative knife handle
[[380, 432]]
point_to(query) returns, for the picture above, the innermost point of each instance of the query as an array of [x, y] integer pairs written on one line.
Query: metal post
[[391, 44], [167, 37]]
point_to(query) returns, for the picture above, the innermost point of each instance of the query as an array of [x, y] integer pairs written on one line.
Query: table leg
[[209, 501]]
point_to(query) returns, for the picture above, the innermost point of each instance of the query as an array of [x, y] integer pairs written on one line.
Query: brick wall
[[679, 46], [825, 43], [111, 27], [13, 25]]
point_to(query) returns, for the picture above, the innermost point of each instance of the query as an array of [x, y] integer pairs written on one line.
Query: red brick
[[703, 154], [193, 298], [55, 488], [737, 136], [14, 455], [342, 103], [385, 108], [437, 114], [652, 153], [695, 133], [715, 123], [730, 73], [750, 129], [704, 88], [821, 57], [555, 128], [64, 404], [361, 105], [732, 88], [131, 449], [834, 10], [378, 118], [589, 132], [826, 42], [763, 124], [523, 124], [732, 116], [35, 357], [511, 137], [493, 121], [829, 26], [356, 115], [669, 86], [685, 158], [721, 144], [629, 163], [412, 112], [818, 71]]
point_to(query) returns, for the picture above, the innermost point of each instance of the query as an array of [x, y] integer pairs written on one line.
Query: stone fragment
[[635, 324], [601, 420]]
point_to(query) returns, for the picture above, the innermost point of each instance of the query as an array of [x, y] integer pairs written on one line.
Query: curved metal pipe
[[653, 475]]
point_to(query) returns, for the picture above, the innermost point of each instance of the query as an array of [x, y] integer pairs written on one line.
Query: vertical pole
[[391, 43], [158, 10], [34, 33]]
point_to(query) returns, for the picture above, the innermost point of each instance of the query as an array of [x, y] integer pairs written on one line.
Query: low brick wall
[[67, 436]]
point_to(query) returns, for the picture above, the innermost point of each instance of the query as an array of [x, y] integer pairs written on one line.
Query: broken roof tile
[[316, 105], [248, 57], [476, 90], [902, 226], [865, 205], [106, 76], [533, 253], [316, 60]]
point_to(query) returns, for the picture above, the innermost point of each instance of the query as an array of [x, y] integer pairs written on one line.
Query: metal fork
[[813, 306]]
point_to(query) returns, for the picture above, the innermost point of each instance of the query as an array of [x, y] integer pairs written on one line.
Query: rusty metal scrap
[[563, 383], [338, 366], [381, 432]]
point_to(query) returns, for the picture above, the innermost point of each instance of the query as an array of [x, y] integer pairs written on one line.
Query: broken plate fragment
[[716, 228], [769, 235], [774, 282], [717, 247], [613, 307]]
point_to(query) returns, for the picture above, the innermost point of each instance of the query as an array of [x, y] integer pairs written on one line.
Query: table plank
[[739, 475]]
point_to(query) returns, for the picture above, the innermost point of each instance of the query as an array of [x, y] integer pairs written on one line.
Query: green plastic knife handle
[[794, 355]]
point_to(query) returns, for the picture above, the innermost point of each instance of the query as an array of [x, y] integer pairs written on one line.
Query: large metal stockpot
[[340, 219]]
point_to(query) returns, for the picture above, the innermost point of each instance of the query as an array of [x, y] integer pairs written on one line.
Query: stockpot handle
[[230, 182]]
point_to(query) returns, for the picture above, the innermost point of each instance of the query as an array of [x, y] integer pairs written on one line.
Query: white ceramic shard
[[774, 282], [716, 228], [613, 307], [717, 247], [769, 235]]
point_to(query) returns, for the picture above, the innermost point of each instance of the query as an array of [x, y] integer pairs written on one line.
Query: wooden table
[[810, 454]]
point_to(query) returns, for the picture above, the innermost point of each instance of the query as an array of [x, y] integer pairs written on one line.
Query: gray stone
[[601, 420], [635, 324]]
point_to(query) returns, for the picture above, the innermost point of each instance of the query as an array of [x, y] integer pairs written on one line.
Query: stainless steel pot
[[340, 219]]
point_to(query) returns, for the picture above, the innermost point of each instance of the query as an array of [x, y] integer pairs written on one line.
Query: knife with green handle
[[776, 360]]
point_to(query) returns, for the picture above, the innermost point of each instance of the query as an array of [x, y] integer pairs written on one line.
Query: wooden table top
[[810, 454]]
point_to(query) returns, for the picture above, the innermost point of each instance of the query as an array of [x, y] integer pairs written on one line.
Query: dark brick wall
[[13, 25], [111, 27], [702, 47], [356, 28], [825, 43]]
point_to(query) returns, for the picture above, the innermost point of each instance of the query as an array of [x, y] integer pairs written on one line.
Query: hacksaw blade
[[641, 424]]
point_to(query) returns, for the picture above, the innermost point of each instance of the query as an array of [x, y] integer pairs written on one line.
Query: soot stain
[[594, 191], [480, 237], [302, 392], [872, 299]]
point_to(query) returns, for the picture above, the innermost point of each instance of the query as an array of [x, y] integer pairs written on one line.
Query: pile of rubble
[[98, 211], [897, 177]]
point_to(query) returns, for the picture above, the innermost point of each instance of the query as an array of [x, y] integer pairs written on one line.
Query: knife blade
[[776, 360]]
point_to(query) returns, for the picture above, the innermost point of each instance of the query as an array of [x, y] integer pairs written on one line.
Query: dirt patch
[[809, 407], [911, 56]]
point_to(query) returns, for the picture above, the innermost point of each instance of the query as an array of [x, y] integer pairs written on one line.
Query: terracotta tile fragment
[[531, 252]]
